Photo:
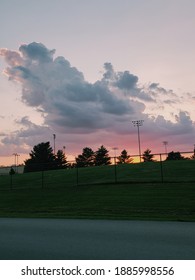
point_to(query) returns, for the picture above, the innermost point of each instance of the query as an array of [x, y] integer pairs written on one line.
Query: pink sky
[[85, 70], [84, 114]]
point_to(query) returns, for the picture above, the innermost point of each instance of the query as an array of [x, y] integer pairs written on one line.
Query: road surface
[[45, 239]]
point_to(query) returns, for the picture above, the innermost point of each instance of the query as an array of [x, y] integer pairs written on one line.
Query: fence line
[[161, 171]]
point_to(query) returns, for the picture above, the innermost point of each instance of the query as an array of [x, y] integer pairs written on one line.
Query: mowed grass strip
[[153, 201], [168, 171], [93, 192]]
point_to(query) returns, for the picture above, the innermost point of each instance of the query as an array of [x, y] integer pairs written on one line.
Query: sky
[[84, 70]]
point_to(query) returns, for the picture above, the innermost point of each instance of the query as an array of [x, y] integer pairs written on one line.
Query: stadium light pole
[[14, 154], [165, 143], [64, 148], [115, 172], [138, 123], [16, 161], [54, 144], [115, 149]]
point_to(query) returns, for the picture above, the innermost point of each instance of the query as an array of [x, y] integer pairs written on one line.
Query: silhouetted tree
[[193, 156], [124, 158], [174, 156], [102, 157], [12, 171], [41, 158], [147, 156], [86, 158], [60, 160]]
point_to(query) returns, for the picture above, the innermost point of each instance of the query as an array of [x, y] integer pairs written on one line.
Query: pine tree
[[86, 158], [124, 158], [41, 158], [61, 161], [147, 156], [102, 157]]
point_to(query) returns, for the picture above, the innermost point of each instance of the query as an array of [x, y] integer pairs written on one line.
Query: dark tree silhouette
[[193, 156], [102, 157], [124, 158], [174, 156], [147, 156], [86, 158], [41, 158], [60, 160], [12, 171]]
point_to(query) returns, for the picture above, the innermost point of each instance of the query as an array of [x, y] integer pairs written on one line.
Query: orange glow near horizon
[[10, 160]]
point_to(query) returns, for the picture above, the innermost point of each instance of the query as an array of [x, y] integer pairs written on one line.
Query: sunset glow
[[92, 71]]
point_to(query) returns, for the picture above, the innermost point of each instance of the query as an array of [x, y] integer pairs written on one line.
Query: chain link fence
[[160, 170]]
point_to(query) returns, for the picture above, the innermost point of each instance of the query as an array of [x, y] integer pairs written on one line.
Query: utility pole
[[138, 123]]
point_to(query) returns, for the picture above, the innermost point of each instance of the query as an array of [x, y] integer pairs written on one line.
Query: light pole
[[54, 144], [64, 148], [115, 149], [16, 161], [115, 173], [138, 123], [165, 143], [14, 154]]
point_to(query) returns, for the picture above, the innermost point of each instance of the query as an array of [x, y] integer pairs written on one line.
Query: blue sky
[[125, 60]]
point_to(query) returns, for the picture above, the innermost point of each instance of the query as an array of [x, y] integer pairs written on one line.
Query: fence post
[[161, 169], [77, 176], [11, 182], [115, 171], [42, 179]]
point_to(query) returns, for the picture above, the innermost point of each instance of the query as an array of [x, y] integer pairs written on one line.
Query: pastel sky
[[85, 69]]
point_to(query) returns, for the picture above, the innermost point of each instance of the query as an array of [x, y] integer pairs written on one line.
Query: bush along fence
[[179, 168]]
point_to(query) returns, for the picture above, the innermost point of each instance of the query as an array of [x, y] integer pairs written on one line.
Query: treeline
[[43, 158], [100, 157]]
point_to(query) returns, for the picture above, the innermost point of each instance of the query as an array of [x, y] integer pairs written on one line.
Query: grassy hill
[[94, 193]]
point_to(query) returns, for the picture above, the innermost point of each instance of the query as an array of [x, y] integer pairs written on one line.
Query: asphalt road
[[45, 239]]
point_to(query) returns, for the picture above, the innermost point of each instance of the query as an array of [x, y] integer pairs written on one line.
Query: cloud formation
[[71, 104], [63, 94]]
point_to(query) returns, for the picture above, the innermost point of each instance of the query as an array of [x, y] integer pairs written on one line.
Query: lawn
[[131, 192]]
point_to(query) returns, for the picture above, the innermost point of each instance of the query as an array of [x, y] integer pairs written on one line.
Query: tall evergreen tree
[[102, 157], [86, 158], [147, 155], [60, 160], [41, 158], [124, 158]]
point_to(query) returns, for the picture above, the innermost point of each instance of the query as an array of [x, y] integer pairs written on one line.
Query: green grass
[[139, 193], [171, 201]]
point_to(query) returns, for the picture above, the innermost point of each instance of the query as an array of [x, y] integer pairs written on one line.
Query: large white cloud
[[71, 104]]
